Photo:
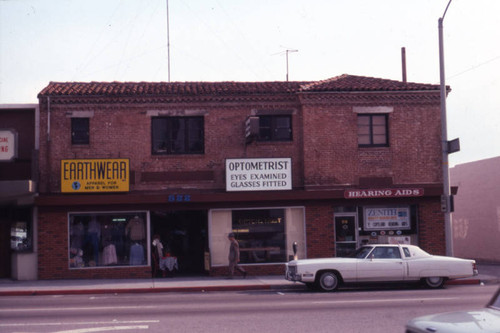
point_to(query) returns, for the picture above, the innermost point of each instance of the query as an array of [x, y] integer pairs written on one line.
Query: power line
[[475, 67]]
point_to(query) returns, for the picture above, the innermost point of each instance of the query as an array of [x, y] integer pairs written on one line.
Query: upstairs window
[[275, 128], [80, 131], [177, 135], [373, 130]]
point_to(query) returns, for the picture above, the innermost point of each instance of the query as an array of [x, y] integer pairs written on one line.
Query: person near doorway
[[234, 256]]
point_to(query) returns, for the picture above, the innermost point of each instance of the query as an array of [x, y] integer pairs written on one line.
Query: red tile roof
[[363, 83], [164, 88], [343, 83]]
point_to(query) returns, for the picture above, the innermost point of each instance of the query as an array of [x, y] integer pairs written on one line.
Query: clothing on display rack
[[136, 254]]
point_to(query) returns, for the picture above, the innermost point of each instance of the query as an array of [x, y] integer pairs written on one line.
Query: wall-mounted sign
[[8, 144], [95, 175], [179, 197], [386, 218], [259, 174], [400, 240], [384, 193]]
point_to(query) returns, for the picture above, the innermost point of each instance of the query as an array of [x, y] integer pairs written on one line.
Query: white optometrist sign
[[8, 144], [259, 174]]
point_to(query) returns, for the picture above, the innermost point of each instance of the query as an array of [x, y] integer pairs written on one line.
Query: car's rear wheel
[[328, 281], [434, 282]]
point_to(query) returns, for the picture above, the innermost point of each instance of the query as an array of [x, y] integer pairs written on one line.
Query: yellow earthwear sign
[[95, 175]]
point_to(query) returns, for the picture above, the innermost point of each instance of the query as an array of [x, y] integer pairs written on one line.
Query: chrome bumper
[[291, 274]]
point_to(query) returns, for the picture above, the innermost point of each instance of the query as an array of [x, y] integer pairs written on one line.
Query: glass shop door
[[346, 234]]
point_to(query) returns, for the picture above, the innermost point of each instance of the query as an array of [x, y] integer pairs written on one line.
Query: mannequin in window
[[136, 254], [135, 229], [136, 232], [93, 236], [108, 247], [156, 254], [77, 234]]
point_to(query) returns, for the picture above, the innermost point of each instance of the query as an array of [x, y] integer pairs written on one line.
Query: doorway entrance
[[346, 234], [184, 235], [5, 248]]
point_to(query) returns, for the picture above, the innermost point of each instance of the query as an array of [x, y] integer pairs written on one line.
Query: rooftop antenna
[[288, 51], [168, 43]]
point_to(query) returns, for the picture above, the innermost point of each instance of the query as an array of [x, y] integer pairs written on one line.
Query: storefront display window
[[265, 235], [108, 239], [20, 236], [21, 228], [261, 235]]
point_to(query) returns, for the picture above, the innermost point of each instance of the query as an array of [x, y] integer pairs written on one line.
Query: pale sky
[[246, 40]]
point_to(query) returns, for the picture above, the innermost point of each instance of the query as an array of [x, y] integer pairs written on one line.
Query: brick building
[[18, 179], [327, 164]]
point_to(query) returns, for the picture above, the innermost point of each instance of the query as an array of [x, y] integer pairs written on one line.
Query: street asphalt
[[488, 274]]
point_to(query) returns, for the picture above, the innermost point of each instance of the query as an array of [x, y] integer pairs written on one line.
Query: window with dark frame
[[275, 128], [177, 135], [80, 131], [373, 130], [21, 229]]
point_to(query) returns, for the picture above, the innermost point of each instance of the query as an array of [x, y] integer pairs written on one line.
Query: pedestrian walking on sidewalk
[[234, 256]]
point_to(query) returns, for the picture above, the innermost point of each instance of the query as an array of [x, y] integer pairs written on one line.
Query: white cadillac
[[380, 263]]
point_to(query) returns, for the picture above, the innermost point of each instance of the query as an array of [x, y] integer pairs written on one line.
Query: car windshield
[[361, 253]]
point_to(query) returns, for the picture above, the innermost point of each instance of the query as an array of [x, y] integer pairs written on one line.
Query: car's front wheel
[[328, 281], [434, 282]]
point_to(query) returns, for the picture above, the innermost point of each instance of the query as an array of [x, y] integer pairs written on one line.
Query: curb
[[139, 290], [463, 282]]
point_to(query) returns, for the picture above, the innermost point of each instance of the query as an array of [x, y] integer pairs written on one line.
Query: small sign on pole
[[453, 146]]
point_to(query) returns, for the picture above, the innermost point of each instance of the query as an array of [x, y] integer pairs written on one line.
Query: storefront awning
[[187, 197]]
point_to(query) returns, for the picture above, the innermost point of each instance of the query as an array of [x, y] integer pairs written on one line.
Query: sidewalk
[[488, 274]]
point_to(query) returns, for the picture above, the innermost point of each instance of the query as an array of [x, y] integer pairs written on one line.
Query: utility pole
[[445, 200], [287, 51]]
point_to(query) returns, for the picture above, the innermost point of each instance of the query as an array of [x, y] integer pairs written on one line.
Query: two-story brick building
[[18, 186], [326, 164]]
